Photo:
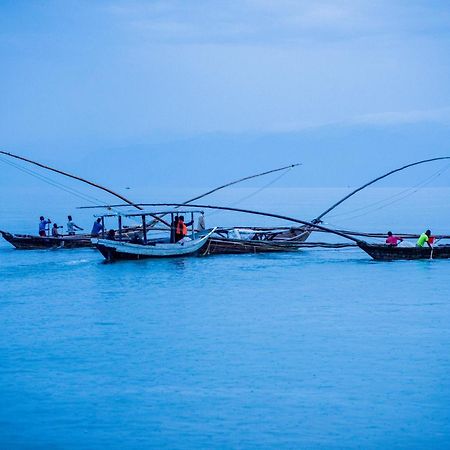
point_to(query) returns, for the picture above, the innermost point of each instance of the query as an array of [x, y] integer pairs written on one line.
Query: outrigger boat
[[224, 241], [146, 246], [255, 240], [31, 242]]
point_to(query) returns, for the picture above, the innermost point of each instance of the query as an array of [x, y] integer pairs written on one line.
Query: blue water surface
[[315, 349]]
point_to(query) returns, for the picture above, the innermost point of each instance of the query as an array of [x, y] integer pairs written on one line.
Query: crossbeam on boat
[[151, 213]]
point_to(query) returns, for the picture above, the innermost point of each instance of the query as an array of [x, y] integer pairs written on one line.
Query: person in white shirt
[[201, 222], [71, 227]]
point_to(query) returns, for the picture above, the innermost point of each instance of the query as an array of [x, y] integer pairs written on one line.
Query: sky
[[200, 92]]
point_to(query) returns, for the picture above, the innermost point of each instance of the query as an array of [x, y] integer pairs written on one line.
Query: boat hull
[[225, 246], [30, 242], [389, 253], [120, 250]]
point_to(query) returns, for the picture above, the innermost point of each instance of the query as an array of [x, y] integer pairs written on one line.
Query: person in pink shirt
[[392, 239]]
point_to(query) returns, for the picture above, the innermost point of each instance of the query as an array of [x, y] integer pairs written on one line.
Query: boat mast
[[319, 217]]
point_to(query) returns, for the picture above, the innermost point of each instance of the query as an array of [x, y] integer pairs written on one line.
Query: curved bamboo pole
[[75, 177], [233, 183], [258, 213], [319, 217], [239, 181]]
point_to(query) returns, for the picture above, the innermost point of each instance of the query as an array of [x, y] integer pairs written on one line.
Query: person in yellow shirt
[[424, 237]]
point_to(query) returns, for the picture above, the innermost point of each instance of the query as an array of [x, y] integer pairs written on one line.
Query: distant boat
[[33, 242]]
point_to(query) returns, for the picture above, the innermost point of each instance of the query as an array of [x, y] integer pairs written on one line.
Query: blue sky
[[344, 86]]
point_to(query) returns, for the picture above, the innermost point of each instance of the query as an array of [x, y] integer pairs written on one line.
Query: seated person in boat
[[392, 239], [111, 235], [181, 230], [97, 228], [424, 237], [55, 230], [71, 227], [136, 238], [43, 226]]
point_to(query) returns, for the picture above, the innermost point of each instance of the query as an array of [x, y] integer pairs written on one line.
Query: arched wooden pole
[[75, 177], [319, 217], [83, 180], [258, 213], [240, 180]]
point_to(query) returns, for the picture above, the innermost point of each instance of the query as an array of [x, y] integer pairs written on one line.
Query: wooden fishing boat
[[32, 242], [383, 252], [144, 245], [119, 250], [255, 240]]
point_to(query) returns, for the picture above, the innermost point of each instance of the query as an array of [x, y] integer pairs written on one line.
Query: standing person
[[97, 228], [173, 230], [201, 222], [43, 226], [424, 237], [181, 230], [392, 239], [71, 226]]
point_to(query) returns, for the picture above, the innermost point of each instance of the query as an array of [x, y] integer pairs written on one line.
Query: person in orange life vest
[[181, 230]]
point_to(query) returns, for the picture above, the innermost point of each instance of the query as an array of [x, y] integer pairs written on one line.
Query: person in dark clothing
[[97, 228], [55, 232], [173, 230]]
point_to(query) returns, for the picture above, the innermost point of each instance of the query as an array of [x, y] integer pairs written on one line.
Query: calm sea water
[[317, 349]]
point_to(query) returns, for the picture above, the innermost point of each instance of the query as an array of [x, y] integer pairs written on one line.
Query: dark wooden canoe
[[30, 242], [385, 252], [284, 241]]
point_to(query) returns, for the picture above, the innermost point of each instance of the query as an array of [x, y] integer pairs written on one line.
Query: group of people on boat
[[179, 228], [424, 238], [72, 227]]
